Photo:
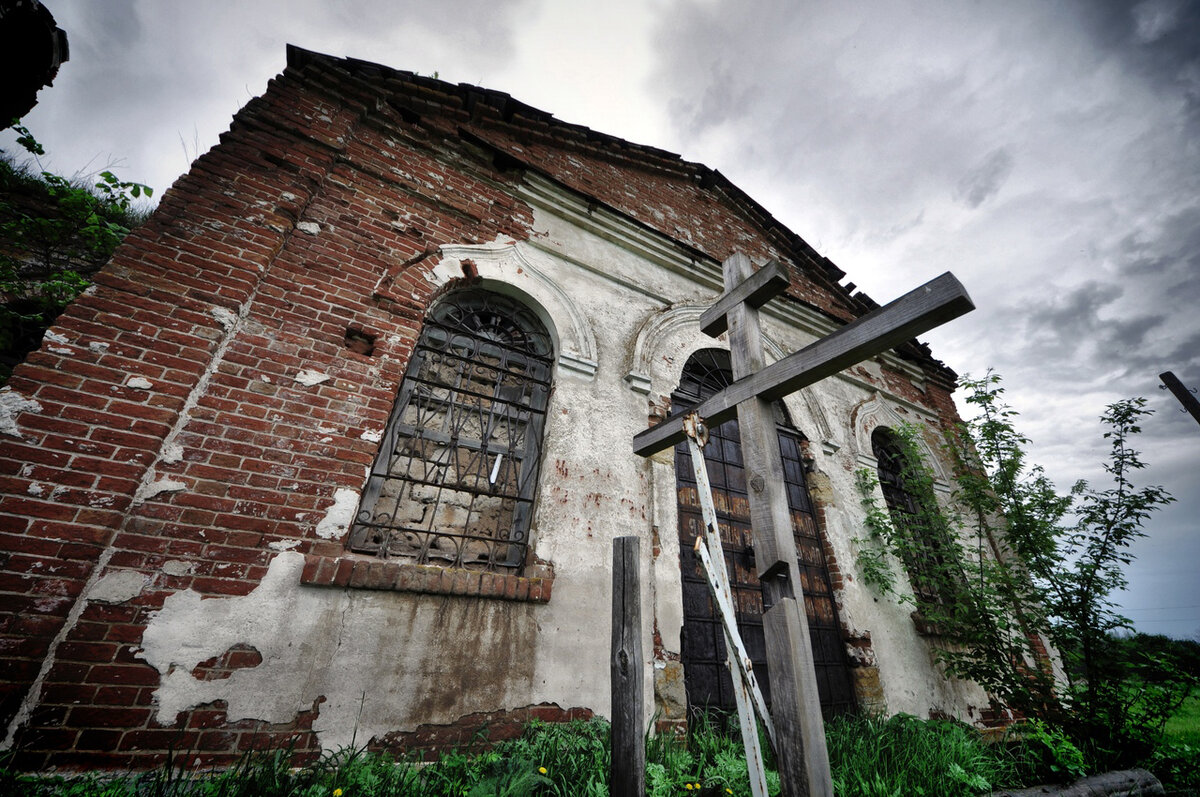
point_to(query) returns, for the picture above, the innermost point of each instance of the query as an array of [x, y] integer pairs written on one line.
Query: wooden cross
[[796, 711]]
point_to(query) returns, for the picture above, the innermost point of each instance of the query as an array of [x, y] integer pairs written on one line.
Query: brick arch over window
[[456, 474], [706, 679]]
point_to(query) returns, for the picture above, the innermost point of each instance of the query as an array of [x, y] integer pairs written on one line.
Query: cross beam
[[796, 710], [933, 304]]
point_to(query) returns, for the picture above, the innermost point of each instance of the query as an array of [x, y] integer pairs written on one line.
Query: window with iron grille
[[929, 555], [456, 474], [706, 678]]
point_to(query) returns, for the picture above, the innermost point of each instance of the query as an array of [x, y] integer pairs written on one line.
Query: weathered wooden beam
[[762, 286], [931, 305], [627, 777], [1185, 396], [800, 750]]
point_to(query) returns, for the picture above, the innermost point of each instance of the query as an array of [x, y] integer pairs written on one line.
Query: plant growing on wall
[[54, 234], [1038, 564]]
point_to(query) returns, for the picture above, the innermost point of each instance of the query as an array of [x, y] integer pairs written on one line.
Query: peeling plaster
[[98, 347], [148, 491], [138, 383], [337, 517], [54, 337], [12, 404], [372, 435], [175, 567], [309, 377], [339, 645], [310, 227], [118, 586], [172, 453], [226, 318], [283, 545]]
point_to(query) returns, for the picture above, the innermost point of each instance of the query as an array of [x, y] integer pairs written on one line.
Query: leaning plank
[[934, 303]]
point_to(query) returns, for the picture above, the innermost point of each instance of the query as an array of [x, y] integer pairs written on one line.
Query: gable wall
[[175, 499]]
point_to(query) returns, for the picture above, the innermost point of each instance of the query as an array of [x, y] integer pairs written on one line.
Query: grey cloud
[[1157, 39], [984, 181]]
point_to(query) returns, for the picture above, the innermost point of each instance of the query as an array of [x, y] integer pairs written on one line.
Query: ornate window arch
[[456, 474], [929, 554]]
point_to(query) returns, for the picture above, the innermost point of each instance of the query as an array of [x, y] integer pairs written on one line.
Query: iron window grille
[[456, 475]]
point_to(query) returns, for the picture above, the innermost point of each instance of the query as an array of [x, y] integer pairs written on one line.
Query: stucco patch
[[337, 517], [172, 452], [117, 587], [139, 383], [225, 317], [176, 567], [148, 491], [340, 645], [309, 377], [12, 404]]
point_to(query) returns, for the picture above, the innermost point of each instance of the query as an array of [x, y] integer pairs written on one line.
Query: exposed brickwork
[[319, 214], [360, 572], [475, 730]]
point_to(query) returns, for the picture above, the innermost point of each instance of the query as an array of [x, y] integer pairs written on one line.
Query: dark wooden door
[[706, 678]]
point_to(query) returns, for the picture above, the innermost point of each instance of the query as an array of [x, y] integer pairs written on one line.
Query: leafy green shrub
[[54, 234], [1044, 753], [1177, 766]]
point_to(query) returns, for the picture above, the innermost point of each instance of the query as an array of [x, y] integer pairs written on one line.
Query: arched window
[[706, 678], [928, 552], [456, 473]]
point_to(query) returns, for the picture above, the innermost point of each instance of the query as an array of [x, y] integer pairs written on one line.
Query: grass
[[870, 758], [1184, 725], [897, 757], [903, 756]]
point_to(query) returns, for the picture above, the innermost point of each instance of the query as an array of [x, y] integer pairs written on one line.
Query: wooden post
[[795, 706], [628, 775]]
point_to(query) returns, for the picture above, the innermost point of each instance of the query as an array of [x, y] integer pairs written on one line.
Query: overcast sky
[[1048, 153]]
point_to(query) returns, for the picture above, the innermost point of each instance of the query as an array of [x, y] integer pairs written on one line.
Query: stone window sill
[[366, 572]]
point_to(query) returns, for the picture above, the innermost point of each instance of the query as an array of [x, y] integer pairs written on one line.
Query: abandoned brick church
[[337, 444]]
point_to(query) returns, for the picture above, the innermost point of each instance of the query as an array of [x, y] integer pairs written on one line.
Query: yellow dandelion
[[728, 790], [337, 793], [542, 770], [688, 786]]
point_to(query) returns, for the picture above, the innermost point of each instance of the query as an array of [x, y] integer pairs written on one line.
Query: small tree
[[1042, 564]]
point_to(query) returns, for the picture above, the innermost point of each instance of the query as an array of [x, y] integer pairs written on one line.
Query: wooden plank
[[918, 311], [755, 291], [1185, 396], [799, 738], [799, 729], [627, 777]]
